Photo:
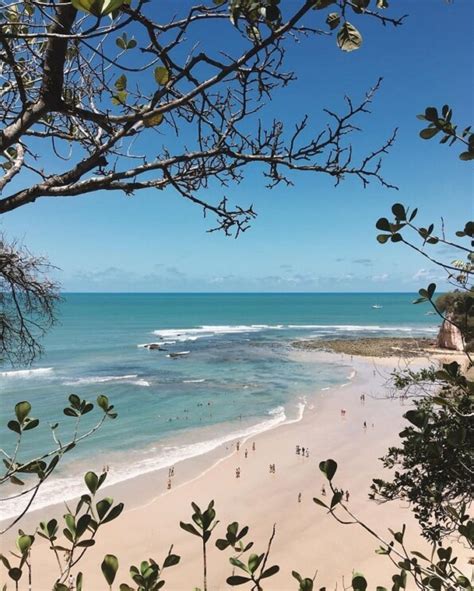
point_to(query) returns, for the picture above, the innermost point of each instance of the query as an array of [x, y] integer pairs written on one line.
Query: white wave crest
[[26, 373], [200, 381], [130, 378], [207, 331], [68, 488]]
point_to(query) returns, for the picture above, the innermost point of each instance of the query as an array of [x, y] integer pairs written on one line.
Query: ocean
[[234, 376]]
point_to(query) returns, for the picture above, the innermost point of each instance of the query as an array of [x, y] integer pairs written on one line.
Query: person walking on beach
[[246, 453], [253, 446], [238, 445], [307, 452], [169, 483], [298, 450], [323, 490], [237, 472], [347, 496], [299, 497], [365, 425]]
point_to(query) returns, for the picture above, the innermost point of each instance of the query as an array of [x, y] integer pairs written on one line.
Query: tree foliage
[[27, 300], [433, 466], [101, 81]]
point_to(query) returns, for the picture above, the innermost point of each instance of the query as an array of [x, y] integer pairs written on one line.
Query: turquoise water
[[237, 378]]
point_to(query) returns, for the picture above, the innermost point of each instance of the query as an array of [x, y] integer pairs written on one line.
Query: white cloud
[[381, 277]]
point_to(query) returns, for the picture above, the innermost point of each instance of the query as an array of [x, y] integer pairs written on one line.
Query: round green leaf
[[162, 75], [22, 410], [92, 481], [109, 568]]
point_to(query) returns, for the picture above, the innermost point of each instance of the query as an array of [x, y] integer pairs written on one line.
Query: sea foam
[[208, 331], [130, 378], [26, 373], [68, 488]]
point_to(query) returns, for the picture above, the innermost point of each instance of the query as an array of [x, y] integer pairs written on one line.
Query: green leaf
[[15, 573], [79, 580], [269, 572], [332, 20], [92, 482], [70, 522], [98, 7], [85, 543], [399, 212], [103, 402], [14, 426], [189, 528], [114, 513], [429, 132], [358, 6], [24, 543], [319, 502], [15, 480], [359, 582], [236, 580], [5, 561], [416, 417], [75, 401], [121, 83], [109, 568], [254, 562], [328, 468], [171, 560], [82, 524], [153, 120], [31, 424], [431, 114], [384, 225], [297, 576], [222, 544], [22, 410], [103, 506], [349, 38], [238, 563], [320, 4], [162, 75]]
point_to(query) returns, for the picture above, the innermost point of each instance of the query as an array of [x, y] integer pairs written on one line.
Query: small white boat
[[430, 313], [178, 354], [377, 307]]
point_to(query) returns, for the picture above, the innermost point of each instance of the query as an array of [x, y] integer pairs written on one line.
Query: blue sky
[[312, 236]]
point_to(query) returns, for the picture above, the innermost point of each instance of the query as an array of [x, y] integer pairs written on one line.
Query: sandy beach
[[307, 539]]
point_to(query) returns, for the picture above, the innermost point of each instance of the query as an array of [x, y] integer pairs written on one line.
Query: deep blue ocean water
[[238, 376]]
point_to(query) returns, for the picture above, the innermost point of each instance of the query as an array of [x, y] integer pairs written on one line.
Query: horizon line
[[412, 292]]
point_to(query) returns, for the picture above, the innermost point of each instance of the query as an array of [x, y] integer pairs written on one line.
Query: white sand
[[307, 539]]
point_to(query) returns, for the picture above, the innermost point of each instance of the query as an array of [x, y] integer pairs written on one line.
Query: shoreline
[[212, 475]]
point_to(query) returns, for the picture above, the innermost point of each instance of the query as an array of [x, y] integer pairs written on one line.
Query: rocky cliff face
[[449, 337]]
